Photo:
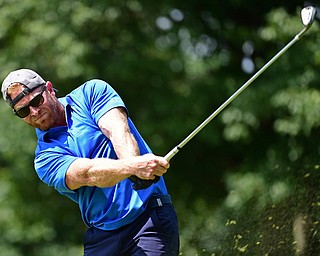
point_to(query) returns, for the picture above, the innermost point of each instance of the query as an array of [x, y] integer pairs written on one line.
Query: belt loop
[[159, 202]]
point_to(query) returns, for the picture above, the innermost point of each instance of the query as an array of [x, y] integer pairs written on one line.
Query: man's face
[[43, 116]]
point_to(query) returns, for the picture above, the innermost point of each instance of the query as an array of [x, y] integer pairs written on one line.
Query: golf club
[[307, 17]]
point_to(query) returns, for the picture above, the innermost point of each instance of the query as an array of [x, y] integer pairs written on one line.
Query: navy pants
[[154, 233]]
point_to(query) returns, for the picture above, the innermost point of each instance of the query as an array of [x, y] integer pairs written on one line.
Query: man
[[90, 151]]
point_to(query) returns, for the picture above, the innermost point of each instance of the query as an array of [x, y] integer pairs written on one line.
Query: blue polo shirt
[[104, 208]]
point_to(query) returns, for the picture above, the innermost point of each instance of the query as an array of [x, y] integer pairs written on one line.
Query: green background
[[246, 185]]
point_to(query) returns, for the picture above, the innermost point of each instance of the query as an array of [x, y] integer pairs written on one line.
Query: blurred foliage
[[246, 185]]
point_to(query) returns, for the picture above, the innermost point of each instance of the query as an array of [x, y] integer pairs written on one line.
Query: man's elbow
[[77, 175]]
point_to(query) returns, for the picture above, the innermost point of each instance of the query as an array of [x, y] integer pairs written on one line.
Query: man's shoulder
[[90, 86], [95, 82]]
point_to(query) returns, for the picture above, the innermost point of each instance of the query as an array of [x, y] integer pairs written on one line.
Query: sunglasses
[[35, 102]]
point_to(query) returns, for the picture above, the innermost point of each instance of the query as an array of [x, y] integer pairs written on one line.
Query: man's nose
[[34, 110]]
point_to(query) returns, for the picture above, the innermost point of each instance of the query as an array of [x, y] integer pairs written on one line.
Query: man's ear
[[50, 88]]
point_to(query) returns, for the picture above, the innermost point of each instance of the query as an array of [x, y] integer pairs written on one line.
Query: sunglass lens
[[23, 112], [36, 101]]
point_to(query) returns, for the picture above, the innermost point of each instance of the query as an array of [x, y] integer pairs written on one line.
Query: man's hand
[[148, 166], [150, 169]]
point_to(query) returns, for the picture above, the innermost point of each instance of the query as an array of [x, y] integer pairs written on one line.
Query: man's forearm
[[104, 172], [100, 172], [114, 125], [125, 146]]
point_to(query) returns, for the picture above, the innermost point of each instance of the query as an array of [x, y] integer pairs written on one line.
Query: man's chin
[[41, 124]]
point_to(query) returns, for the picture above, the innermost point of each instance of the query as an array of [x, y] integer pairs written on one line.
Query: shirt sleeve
[[101, 98], [51, 164]]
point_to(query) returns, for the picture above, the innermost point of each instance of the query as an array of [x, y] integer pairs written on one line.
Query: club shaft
[[176, 149]]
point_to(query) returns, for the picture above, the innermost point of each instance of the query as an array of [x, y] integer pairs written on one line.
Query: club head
[[308, 15]]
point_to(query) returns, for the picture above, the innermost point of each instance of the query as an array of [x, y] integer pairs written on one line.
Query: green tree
[[250, 174]]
